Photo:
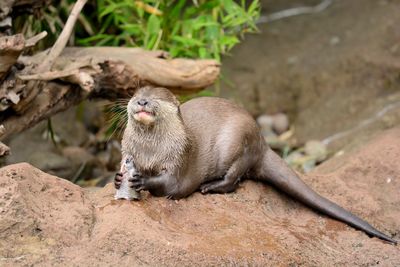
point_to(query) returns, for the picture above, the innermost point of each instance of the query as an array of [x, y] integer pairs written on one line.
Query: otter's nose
[[142, 102]]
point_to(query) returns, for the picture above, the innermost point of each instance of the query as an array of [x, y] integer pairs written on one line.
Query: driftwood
[[13, 8], [20, 6], [10, 49], [87, 73], [33, 88]]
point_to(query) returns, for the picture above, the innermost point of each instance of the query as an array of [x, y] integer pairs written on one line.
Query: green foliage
[[50, 132], [184, 28], [51, 19], [195, 29]]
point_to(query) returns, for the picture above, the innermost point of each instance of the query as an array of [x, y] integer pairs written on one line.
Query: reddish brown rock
[[39, 214], [45, 220]]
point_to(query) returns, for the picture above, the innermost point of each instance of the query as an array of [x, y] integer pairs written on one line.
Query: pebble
[[335, 40], [265, 121], [294, 158], [309, 165], [316, 149], [275, 143], [280, 123]]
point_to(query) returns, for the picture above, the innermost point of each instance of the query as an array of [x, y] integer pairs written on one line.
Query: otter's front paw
[[138, 183], [118, 180]]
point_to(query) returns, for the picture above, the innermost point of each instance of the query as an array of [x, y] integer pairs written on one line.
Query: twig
[[86, 24], [49, 75], [2, 129], [76, 76], [48, 61], [295, 12], [84, 79], [33, 40], [7, 22], [62, 40], [4, 150]]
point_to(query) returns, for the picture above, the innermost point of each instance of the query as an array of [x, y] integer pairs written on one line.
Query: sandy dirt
[[47, 221]]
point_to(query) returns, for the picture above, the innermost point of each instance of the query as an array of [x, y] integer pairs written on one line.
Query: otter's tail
[[275, 171]]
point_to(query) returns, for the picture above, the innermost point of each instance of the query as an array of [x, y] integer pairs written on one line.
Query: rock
[[111, 156], [294, 158], [53, 163], [77, 154], [69, 129], [326, 90], [275, 143], [265, 123], [31, 147], [87, 162], [93, 116], [48, 221], [280, 123], [302, 162], [335, 40], [36, 147], [28, 142], [316, 150], [268, 133], [309, 165], [39, 212]]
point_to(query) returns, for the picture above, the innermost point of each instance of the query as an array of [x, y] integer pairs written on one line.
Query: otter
[[209, 144]]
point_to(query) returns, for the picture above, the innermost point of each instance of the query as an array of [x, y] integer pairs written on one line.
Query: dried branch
[[35, 39], [33, 87], [20, 6], [48, 76], [295, 12], [10, 49], [4, 150], [36, 93], [62, 40], [105, 72]]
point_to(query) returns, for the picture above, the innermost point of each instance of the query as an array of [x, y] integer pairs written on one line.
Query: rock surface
[[48, 221], [328, 71]]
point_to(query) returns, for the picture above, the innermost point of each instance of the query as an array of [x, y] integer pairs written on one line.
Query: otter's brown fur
[[209, 144]]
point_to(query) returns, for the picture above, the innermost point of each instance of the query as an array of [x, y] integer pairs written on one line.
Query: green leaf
[[212, 32], [186, 28], [203, 52], [187, 41], [90, 40], [115, 8], [133, 29], [105, 41], [229, 41], [176, 11], [153, 25]]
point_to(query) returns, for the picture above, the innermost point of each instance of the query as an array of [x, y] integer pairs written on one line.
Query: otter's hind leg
[[230, 181]]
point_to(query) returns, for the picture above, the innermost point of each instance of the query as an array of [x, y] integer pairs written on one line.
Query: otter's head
[[151, 104]]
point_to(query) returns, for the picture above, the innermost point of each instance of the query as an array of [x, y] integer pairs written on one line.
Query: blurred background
[[320, 77]]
